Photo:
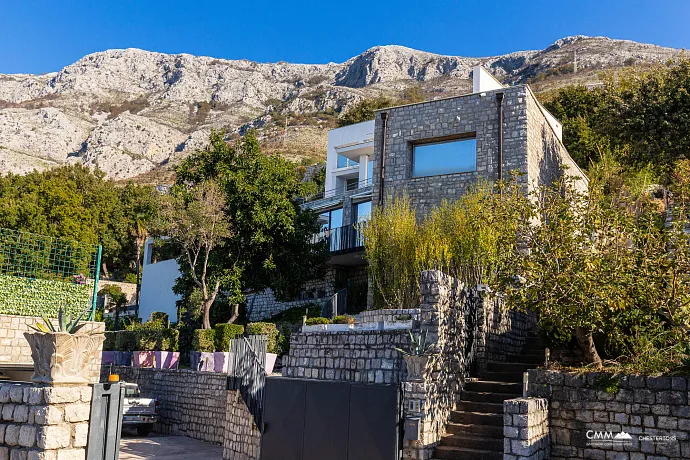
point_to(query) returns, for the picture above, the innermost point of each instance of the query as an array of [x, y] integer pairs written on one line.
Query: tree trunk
[[206, 308], [104, 269], [235, 313], [586, 342], [139, 244]]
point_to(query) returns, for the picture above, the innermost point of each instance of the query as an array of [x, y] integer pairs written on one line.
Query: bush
[[295, 314], [268, 329], [284, 341], [110, 343], [224, 332], [160, 318], [126, 341], [344, 319], [204, 340], [158, 339], [317, 320]]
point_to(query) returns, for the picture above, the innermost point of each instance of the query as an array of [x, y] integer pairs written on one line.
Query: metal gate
[[317, 420], [106, 421]]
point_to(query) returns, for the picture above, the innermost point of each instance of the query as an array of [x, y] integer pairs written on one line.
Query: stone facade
[[44, 423], [654, 411], [192, 404], [356, 356], [14, 349], [377, 316], [529, 144], [526, 429], [242, 440]]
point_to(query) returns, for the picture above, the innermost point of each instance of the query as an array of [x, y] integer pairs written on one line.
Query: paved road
[[161, 447]]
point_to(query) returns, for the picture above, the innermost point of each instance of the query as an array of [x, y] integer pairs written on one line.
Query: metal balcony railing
[[342, 240], [337, 192]]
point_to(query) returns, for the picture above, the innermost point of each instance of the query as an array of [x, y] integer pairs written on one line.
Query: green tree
[[364, 110], [271, 243]]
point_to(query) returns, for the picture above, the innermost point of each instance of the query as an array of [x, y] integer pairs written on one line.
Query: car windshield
[[132, 392]]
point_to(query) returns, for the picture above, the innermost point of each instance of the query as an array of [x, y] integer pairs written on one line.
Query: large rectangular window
[[345, 162], [448, 157]]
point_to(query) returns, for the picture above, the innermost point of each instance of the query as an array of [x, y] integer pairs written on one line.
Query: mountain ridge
[[130, 111]]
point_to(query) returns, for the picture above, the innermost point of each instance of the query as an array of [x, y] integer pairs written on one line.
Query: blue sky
[[44, 36]]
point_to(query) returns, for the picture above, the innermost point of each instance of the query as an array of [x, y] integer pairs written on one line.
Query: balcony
[[337, 193], [342, 240]]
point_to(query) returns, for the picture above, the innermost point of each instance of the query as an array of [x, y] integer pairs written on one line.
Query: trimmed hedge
[[268, 329], [224, 332], [318, 320], [142, 340], [126, 341], [110, 343], [36, 297], [204, 340]]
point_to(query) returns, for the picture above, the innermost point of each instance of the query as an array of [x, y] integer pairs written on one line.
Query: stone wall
[[242, 440], [44, 422], [355, 356], [654, 411], [526, 429], [192, 403], [529, 144], [377, 316], [501, 331], [14, 349]]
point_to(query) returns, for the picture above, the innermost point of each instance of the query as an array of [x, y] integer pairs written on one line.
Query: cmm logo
[[608, 436]]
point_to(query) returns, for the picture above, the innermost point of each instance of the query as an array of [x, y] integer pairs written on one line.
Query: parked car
[[139, 412]]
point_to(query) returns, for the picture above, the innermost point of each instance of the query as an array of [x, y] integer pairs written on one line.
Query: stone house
[[430, 151]]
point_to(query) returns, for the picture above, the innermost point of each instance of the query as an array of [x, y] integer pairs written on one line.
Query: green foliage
[[115, 293], [126, 341], [296, 314], [364, 110], [269, 330], [419, 345], [407, 317], [317, 320], [284, 341], [158, 339], [344, 319], [224, 332], [36, 297], [110, 342], [65, 323], [160, 318], [204, 340], [608, 383]]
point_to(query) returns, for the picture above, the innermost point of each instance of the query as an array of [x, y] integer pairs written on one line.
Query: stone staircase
[[475, 431]]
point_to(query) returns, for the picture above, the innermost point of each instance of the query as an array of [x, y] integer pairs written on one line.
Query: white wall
[[358, 133], [482, 80], [156, 289]]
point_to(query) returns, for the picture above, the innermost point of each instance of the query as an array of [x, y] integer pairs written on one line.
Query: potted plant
[[271, 332], [342, 323], [201, 359], [157, 347], [417, 356], [62, 355], [317, 324], [405, 321], [223, 333]]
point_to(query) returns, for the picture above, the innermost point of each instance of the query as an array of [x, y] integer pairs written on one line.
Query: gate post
[[106, 421]]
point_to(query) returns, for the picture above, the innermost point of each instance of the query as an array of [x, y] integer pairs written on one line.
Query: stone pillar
[[526, 429], [242, 439], [44, 423]]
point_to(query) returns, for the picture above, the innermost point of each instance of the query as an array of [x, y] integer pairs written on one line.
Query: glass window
[[363, 211], [345, 162], [370, 171], [324, 221], [336, 218], [444, 158]]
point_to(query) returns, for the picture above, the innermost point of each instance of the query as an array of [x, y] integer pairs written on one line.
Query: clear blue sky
[[44, 36]]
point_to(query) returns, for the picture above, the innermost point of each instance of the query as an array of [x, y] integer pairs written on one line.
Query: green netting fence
[[39, 274]]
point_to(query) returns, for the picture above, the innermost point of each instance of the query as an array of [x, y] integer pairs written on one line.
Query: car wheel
[[143, 430]]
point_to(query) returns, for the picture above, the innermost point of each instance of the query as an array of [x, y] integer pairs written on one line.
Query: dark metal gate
[[106, 421], [317, 420]]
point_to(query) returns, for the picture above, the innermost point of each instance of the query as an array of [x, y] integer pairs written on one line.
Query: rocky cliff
[[131, 112]]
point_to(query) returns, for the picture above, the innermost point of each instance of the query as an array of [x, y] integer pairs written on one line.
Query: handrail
[[336, 192]]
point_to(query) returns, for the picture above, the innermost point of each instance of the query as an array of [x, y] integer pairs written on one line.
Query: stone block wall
[[14, 349], [376, 316], [44, 423], [242, 440], [501, 331], [588, 410], [526, 429], [192, 403], [355, 356]]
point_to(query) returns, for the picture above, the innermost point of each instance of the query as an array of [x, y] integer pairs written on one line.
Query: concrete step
[[476, 418], [463, 453], [472, 442], [487, 386], [484, 407], [488, 396], [510, 377], [486, 431]]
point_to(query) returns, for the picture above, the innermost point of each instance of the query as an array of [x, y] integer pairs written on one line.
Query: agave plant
[[418, 345], [65, 324]]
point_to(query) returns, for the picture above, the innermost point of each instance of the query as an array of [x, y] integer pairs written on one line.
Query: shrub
[[158, 339], [344, 319], [160, 317], [268, 329], [126, 341], [284, 341], [317, 320], [224, 332], [295, 314], [204, 340], [110, 343]]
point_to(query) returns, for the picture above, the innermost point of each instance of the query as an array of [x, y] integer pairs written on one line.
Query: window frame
[[442, 140]]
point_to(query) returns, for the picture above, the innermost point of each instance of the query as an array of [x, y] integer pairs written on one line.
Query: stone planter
[[339, 327], [397, 325], [416, 365], [201, 361], [373, 326], [166, 359], [314, 328], [144, 358], [63, 359], [117, 358], [270, 362], [221, 361]]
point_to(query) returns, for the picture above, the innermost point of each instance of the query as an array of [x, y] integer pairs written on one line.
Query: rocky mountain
[[133, 112]]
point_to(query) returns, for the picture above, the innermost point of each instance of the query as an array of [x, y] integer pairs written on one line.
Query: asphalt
[[162, 447]]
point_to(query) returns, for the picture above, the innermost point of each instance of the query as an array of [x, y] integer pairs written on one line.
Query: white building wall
[[157, 281], [347, 135]]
